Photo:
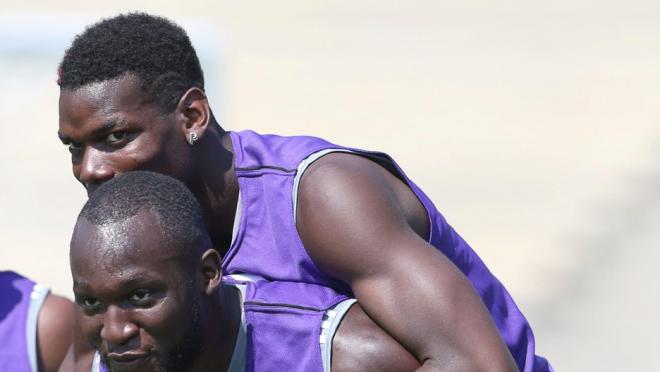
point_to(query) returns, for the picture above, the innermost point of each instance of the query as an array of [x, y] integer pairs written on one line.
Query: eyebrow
[[135, 279], [80, 285], [97, 132], [105, 127]]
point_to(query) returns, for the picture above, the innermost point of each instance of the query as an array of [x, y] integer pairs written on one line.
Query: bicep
[[343, 204], [54, 332], [355, 229]]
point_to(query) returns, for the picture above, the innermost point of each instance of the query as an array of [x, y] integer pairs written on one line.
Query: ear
[[211, 271], [195, 112]]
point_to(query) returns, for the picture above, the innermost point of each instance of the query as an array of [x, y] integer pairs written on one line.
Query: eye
[[74, 147], [89, 304], [141, 297], [115, 137]]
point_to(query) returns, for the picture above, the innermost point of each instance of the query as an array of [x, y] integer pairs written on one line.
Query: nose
[[118, 329], [94, 169]]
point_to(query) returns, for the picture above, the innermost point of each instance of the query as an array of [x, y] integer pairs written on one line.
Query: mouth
[[128, 361]]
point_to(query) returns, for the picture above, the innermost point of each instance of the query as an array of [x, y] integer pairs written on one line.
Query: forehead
[[114, 249], [108, 99], [124, 91]]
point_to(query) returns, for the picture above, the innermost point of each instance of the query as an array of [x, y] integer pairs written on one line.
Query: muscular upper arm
[[54, 332], [353, 220]]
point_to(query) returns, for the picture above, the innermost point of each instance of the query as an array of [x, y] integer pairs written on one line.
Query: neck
[[224, 318], [216, 187]]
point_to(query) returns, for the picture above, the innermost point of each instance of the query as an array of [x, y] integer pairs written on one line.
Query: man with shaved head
[[149, 296], [142, 284], [289, 209]]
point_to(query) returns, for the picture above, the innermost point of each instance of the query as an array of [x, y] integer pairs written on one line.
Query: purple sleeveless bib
[[267, 244], [18, 316], [283, 321]]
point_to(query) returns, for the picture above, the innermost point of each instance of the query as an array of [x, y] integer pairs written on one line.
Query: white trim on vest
[[237, 219], [239, 356], [37, 298], [331, 320]]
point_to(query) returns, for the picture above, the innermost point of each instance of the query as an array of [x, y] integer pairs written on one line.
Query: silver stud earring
[[192, 137]]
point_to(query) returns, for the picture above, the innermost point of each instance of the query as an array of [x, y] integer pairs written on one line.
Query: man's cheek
[[164, 333], [91, 329]]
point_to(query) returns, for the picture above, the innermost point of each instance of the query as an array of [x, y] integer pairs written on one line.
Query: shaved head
[[138, 250], [178, 216]]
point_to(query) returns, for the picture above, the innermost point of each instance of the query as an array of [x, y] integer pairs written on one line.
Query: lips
[[128, 361]]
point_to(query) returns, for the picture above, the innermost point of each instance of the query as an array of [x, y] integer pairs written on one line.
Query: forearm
[[440, 320]]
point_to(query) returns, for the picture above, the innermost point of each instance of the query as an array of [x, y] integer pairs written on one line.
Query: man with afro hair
[[289, 209]]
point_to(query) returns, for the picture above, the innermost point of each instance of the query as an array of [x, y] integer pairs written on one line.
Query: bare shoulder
[[54, 331], [349, 201], [358, 174], [340, 167]]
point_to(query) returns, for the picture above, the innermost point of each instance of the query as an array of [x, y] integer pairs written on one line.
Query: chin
[[146, 364]]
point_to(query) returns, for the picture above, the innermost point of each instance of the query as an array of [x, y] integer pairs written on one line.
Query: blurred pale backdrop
[[533, 126]]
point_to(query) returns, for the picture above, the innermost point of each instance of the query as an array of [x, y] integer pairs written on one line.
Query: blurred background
[[535, 128]]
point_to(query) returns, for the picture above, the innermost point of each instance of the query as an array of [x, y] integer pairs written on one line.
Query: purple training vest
[[283, 321], [17, 323], [267, 244]]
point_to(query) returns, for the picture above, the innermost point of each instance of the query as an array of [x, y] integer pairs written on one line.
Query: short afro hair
[[177, 211], [154, 49]]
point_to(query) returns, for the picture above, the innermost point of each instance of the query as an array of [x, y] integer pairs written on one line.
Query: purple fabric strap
[[267, 242]]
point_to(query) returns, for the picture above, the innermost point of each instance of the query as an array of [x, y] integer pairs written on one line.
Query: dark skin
[[54, 332], [136, 298], [132, 306], [385, 229], [361, 345], [372, 235]]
